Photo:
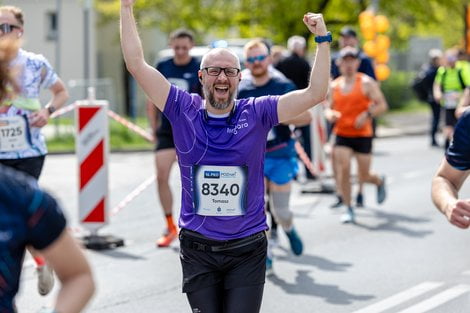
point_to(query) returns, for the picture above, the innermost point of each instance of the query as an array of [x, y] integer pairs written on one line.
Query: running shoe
[[349, 216], [269, 266], [381, 191], [360, 200], [295, 242], [273, 237], [45, 279], [338, 203], [269, 259], [167, 238]]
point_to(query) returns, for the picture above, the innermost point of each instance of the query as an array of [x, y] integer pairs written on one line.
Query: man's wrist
[[326, 38], [51, 109]]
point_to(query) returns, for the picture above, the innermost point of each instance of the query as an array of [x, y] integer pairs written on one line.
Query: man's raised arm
[[152, 82], [295, 102]]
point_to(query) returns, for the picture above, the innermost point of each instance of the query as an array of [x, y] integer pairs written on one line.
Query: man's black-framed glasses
[[215, 71], [8, 28]]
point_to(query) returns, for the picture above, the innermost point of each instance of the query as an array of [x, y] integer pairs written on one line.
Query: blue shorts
[[280, 171]]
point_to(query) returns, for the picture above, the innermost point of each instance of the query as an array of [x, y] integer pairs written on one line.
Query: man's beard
[[218, 105]]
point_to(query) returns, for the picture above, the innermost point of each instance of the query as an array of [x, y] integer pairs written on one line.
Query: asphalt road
[[402, 256]]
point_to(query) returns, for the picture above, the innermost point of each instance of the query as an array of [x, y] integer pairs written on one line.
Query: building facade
[[83, 51]]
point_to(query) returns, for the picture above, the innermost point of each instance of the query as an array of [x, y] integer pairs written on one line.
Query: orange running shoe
[[167, 238]]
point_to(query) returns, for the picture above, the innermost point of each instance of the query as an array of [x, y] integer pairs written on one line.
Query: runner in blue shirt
[[280, 163], [30, 216], [220, 143], [451, 175]]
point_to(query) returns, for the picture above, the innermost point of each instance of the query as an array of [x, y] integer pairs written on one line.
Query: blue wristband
[[326, 38]]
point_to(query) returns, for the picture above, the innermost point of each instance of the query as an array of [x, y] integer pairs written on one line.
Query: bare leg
[[365, 174], [343, 157], [448, 133], [363, 168], [336, 177], [164, 160]]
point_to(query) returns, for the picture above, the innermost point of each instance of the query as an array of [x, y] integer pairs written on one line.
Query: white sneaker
[[45, 279], [349, 216]]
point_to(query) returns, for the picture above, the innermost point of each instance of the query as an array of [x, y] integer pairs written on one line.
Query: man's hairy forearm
[[443, 193], [320, 71], [130, 41]]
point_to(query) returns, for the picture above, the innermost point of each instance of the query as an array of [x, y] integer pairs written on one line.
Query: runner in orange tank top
[[351, 104], [355, 98]]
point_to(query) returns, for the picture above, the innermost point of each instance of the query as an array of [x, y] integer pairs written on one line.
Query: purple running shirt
[[221, 164]]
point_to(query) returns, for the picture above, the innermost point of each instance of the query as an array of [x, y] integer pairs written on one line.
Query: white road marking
[[400, 297], [438, 299]]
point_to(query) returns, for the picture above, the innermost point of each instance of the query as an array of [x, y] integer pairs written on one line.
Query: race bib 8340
[[220, 190]]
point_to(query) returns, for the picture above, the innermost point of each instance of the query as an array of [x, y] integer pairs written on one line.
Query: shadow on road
[[313, 260], [305, 285], [393, 222], [117, 254]]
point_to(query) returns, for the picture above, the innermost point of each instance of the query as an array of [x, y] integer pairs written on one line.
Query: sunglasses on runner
[[215, 71], [7, 28], [259, 58]]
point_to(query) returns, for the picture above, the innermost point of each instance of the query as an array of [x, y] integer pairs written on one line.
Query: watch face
[[50, 109]]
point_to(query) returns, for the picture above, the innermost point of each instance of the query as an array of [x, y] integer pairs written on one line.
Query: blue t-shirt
[[280, 141], [458, 154], [28, 216], [184, 77], [236, 143]]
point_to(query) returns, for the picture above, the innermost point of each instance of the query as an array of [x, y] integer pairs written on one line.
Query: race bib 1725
[[13, 133]]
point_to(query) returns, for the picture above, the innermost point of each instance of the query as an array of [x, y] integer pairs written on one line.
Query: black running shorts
[[240, 263], [164, 142], [31, 166], [450, 119], [357, 144]]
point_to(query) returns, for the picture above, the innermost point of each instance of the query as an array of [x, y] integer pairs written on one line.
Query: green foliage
[[280, 19], [444, 19], [120, 137], [398, 92]]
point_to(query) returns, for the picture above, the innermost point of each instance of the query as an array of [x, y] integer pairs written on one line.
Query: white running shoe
[[349, 216], [45, 279]]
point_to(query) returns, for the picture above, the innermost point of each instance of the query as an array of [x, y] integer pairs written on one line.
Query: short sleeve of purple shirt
[[238, 140]]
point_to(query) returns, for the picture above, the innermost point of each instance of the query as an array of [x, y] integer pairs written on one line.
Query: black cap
[[347, 31], [348, 52]]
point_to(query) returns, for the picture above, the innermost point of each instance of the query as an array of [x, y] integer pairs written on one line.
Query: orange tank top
[[350, 105]]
